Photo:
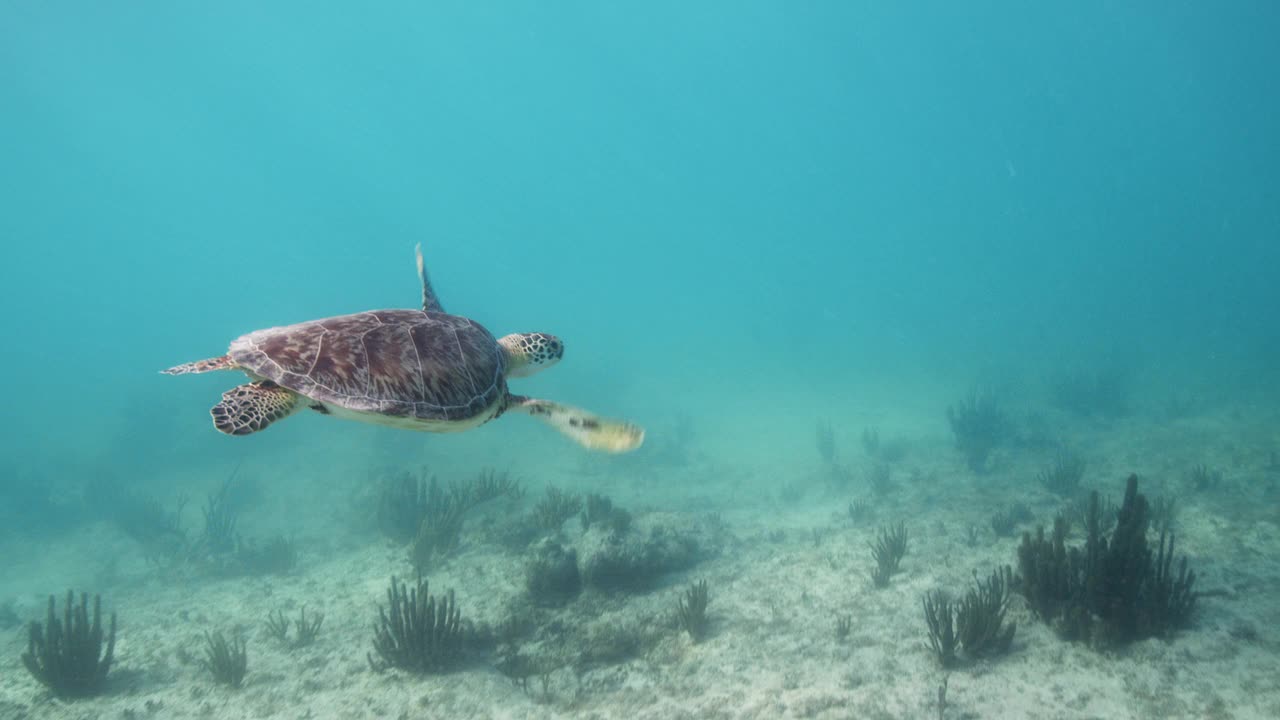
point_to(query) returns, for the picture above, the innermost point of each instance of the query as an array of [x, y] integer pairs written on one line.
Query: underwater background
[[746, 220]]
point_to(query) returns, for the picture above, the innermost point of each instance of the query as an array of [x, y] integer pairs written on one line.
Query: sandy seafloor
[[780, 568]]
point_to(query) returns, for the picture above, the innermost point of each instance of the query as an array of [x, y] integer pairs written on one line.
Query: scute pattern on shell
[[405, 363]]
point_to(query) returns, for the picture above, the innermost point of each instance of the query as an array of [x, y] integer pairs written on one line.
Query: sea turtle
[[420, 369]]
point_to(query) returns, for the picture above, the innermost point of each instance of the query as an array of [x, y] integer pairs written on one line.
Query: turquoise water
[[833, 188], [741, 218]]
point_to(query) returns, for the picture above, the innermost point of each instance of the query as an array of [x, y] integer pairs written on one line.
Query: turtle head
[[527, 353]]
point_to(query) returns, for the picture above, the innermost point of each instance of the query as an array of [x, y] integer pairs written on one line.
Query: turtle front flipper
[[584, 428], [249, 408], [200, 366]]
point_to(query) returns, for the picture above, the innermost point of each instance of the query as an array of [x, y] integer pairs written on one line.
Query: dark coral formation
[[307, 629], [491, 485], [600, 510], [417, 631], [570, 647], [634, 561], [844, 624], [1076, 512], [1203, 478], [939, 616], [439, 512], [691, 610], [277, 556], [888, 550], [218, 549], [555, 507], [1164, 514], [979, 425], [975, 625], [551, 574], [980, 621], [1006, 520], [402, 501], [277, 626], [226, 552], [219, 535], [1115, 589], [439, 528], [421, 510], [227, 661], [880, 479], [1046, 573], [66, 656], [1064, 475], [859, 511]]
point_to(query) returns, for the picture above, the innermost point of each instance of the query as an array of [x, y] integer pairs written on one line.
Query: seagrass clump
[[439, 513], [888, 550], [692, 611], [975, 623], [417, 631], [226, 660], [66, 655], [307, 629], [979, 425], [1064, 475], [220, 517], [555, 507]]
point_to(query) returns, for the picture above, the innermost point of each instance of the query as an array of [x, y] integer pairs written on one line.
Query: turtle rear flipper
[[249, 408], [584, 428], [200, 366]]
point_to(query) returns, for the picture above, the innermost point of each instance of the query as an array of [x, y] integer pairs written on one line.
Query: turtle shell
[[400, 363]]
